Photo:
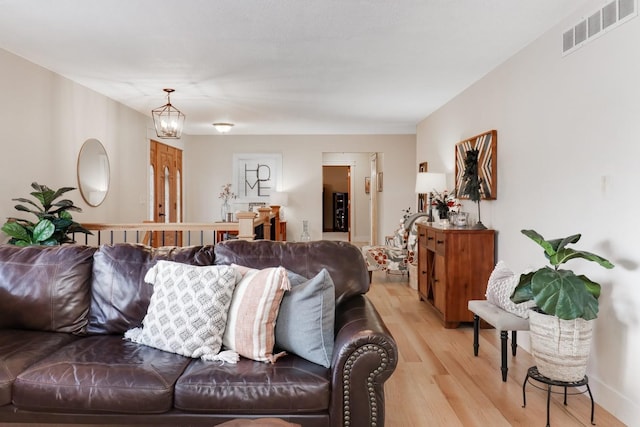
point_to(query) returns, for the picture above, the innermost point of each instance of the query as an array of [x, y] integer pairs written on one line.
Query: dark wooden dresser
[[454, 265]]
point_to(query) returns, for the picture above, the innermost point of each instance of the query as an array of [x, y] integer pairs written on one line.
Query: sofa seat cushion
[[20, 349], [292, 385], [101, 374]]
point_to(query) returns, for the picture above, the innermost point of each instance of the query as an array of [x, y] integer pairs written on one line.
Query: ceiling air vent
[[626, 8], [595, 23], [610, 16]]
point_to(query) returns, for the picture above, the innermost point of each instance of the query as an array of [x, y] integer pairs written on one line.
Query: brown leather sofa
[[63, 360]]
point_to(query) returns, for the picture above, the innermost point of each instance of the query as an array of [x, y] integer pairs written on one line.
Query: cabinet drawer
[[422, 237], [431, 239], [440, 242]]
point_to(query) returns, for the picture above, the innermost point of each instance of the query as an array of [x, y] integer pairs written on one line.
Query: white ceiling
[[279, 66]]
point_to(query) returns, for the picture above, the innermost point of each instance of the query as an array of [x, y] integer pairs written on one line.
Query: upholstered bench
[[501, 320]]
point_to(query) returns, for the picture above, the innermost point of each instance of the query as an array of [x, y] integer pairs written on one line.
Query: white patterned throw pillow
[[188, 309], [501, 284]]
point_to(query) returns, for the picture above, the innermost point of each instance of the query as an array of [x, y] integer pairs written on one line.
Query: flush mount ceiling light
[[168, 120], [223, 127]]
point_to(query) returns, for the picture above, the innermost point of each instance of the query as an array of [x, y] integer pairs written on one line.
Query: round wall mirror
[[93, 172]]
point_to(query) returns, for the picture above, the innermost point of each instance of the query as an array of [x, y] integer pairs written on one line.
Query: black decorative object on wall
[[486, 145], [472, 182]]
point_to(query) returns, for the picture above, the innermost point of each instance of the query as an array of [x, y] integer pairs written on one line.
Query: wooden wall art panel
[[487, 145]]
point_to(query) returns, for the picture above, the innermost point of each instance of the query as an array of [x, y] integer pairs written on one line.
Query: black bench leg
[[514, 342], [476, 327], [503, 343]]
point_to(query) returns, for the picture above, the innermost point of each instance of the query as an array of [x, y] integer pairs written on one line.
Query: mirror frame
[[93, 156]]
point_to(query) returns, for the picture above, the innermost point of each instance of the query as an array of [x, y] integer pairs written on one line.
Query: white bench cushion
[[497, 317]]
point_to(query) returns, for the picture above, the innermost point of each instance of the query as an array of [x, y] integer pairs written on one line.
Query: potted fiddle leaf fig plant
[[567, 304], [54, 225]]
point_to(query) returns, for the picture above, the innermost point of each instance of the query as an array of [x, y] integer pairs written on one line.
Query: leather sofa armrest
[[364, 357]]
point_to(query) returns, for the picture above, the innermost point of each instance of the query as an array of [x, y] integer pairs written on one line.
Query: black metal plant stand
[[533, 374]]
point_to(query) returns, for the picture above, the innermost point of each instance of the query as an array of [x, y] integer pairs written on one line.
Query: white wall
[[208, 165], [45, 121], [568, 150]]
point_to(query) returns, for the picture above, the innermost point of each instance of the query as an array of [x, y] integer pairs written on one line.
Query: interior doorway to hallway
[[335, 198], [345, 197]]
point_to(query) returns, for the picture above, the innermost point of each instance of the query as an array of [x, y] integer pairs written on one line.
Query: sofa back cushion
[[45, 288], [120, 297], [344, 262]]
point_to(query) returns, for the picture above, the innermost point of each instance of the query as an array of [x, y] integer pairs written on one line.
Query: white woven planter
[[560, 347]]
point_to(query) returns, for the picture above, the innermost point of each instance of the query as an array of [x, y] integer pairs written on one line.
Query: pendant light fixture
[[168, 120], [223, 127]]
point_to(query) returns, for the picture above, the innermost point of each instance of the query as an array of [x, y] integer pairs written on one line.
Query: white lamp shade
[[426, 182], [279, 198]]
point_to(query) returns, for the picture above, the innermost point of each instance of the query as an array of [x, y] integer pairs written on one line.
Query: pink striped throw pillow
[[254, 308]]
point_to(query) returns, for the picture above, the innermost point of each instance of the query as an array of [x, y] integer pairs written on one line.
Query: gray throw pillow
[[306, 318]]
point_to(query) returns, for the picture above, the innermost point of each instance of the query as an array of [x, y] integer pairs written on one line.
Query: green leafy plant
[[559, 292], [472, 183], [471, 180], [54, 223]]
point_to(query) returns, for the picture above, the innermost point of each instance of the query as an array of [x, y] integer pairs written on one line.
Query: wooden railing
[[248, 226]]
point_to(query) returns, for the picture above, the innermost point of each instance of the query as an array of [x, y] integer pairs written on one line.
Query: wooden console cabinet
[[454, 265]]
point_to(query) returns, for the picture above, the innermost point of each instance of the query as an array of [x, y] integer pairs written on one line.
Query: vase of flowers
[[445, 202], [226, 194]]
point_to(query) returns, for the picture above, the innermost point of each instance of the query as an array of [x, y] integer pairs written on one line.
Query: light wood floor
[[438, 381]]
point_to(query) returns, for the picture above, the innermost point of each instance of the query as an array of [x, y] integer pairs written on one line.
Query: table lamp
[[427, 183]]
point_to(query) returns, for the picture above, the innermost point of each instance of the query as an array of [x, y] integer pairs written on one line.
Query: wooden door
[[439, 283], [373, 166], [350, 213], [166, 164]]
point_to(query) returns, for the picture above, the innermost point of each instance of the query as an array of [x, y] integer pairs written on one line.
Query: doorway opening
[[336, 183], [352, 172]]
